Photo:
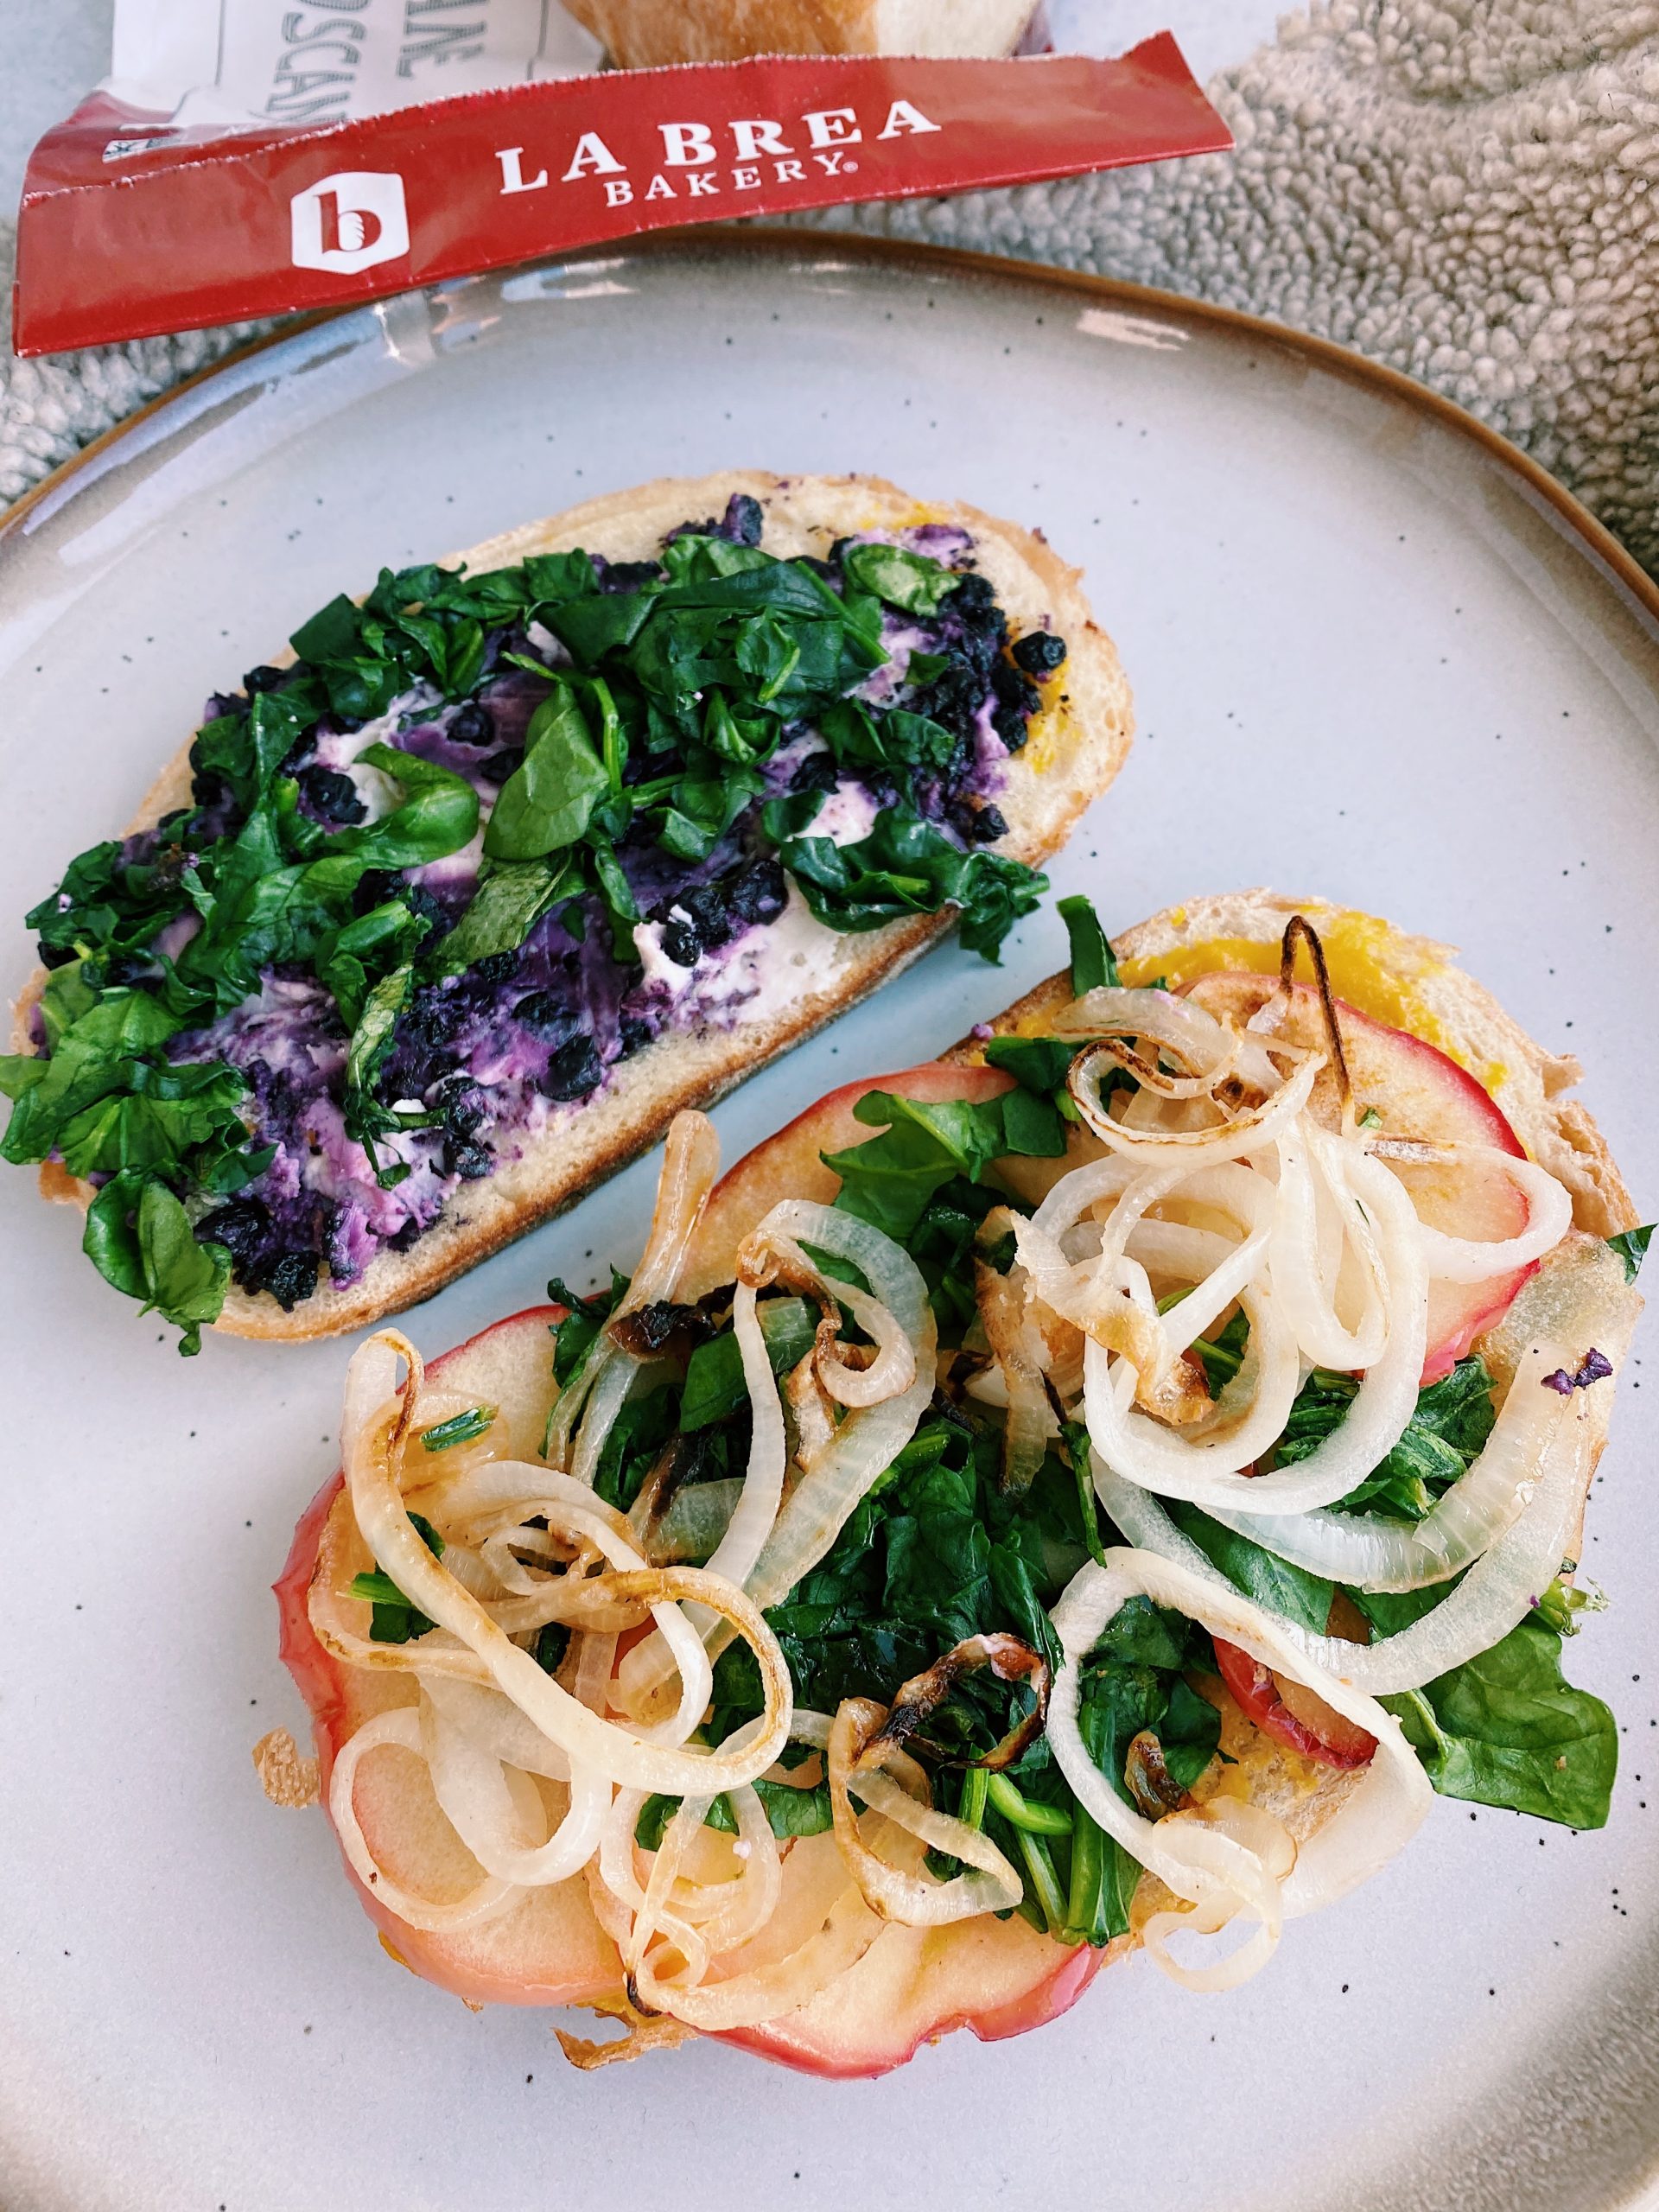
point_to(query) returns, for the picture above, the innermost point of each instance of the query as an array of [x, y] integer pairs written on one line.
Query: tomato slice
[[1290, 1713]]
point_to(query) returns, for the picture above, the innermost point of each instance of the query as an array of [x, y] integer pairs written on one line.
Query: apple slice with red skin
[[1290, 1713], [1420, 1092], [548, 1949], [996, 1978], [790, 1164], [914, 1985]]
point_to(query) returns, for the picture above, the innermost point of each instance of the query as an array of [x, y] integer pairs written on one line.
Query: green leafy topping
[[574, 1336], [1506, 1728], [1451, 1422], [910, 582], [459, 1428], [138, 1237], [547, 804], [509, 902], [909, 866], [789, 1811], [1092, 963], [892, 1179], [713, 1375], [1631, 1246], [394, 1620], [1037, 1063]]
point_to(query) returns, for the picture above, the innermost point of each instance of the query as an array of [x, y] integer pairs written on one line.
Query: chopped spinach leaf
[[910, 582], [910, 866], [1631, 1246], [459, 1428], [789, 1811], [1135, 1679], [394, 1619], [138, 1237], [713, 1375], [547, 804], [1093, 966], [1452, 1420], [1507, 1729], [891, 1179]]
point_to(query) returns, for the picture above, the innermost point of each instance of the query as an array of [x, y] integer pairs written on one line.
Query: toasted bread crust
[[1300, 1792], [1079, 742], [1476, 1031], [643, 34]]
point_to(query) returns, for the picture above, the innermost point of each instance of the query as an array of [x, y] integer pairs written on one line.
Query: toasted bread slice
[[1414, 984], [1079, 739], [996, 1978], [1407, 983], [643, 34]]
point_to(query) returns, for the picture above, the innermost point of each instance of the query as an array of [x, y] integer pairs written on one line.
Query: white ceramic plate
[[1374, 657]]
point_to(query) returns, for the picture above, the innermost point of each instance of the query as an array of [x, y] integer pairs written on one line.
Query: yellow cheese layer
[[1369, 968]]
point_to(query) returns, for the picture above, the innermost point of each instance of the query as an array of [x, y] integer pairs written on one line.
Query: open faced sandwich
[[442, 919], [1085, 1493]]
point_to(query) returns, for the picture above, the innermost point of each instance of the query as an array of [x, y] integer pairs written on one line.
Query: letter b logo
[[350, 221]]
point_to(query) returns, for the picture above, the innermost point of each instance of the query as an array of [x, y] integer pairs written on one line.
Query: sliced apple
[[1421, 1092], [790, 1165], [547, 1949], [994, 1978]]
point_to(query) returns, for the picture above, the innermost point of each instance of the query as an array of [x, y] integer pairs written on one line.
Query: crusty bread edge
[[1079, 742], [654, 34], [1557, 1131]]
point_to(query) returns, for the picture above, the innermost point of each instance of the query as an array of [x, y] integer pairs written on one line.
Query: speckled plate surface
[[1374, 657]]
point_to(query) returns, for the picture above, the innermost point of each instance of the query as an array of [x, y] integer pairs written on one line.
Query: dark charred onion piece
[[1146, 1072], [661, 1329], [1152, 1785], [1008, 1659], [1083, 1081], [657, 1491], [1299, 929]]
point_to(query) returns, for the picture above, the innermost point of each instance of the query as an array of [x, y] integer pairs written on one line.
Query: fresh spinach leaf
[[1508, 1729], [910, 582], [789, 1811], [548, 803], [394, 1619], [1274, 1583], [1037, 1063], [438, 814], [1134, 1680], [1452, 1420], [507, 904], [713, 1373], [1631, 1246], [909, 866], [138, 1237], [1093, 966], [892, 1179], [371, 1039]]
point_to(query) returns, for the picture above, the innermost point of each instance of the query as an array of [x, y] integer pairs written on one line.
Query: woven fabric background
[[1467, 190]]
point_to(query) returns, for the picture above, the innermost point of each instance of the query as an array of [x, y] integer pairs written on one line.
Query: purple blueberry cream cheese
[[484, 840]]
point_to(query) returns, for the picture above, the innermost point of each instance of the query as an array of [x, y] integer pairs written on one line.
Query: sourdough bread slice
[[642, 33], [1078, 741], [1413, 983]]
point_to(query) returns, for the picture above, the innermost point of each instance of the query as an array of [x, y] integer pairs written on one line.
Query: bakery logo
[[350, 222], [696, 162]]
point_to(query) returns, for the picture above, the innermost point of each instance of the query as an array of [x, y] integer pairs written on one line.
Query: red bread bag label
[[130, 226]]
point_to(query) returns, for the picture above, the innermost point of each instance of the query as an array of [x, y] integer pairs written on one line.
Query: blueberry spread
[[485, 839]]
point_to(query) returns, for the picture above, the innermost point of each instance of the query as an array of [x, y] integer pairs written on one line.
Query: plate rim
[[770, 244], [770, 248]]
